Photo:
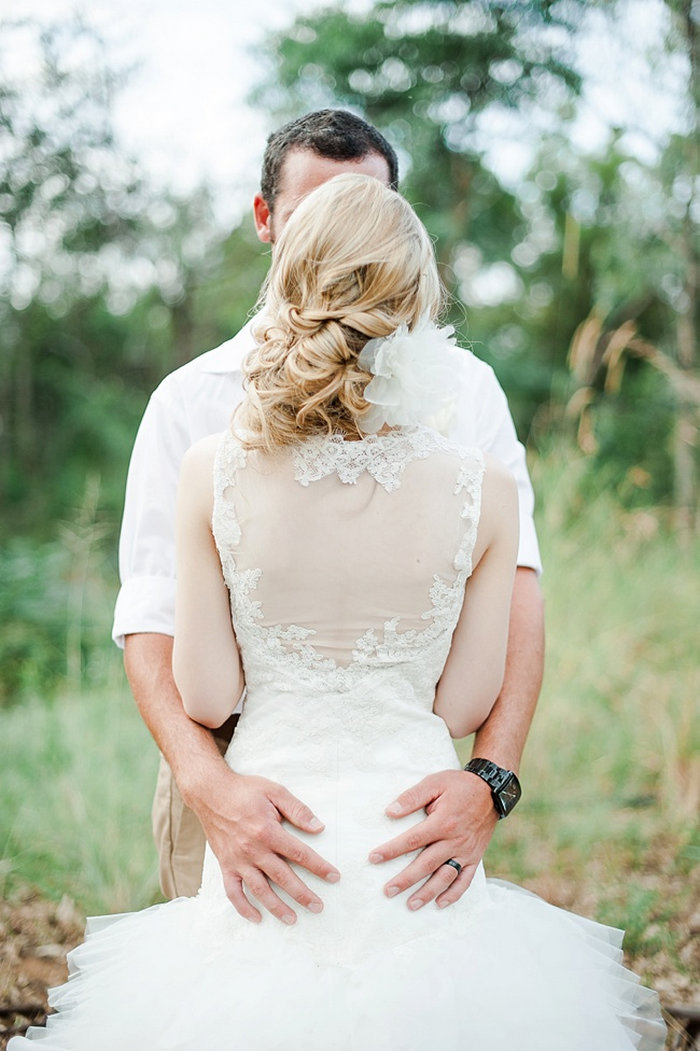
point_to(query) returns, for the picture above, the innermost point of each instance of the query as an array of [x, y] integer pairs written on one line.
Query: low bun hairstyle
[[352, 264]]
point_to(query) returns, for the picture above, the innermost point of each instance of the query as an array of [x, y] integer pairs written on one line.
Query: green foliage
[[108, 284], [644, 915], [606, 260], [67, 199], [77, 417], [608, 821], [604, 235], [224, 301], [55, 134], [56, 605], [78, 775], [32, 643], [427, 74]]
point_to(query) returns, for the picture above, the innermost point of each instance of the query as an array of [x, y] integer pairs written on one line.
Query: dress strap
[[230, 458], [469, 482]]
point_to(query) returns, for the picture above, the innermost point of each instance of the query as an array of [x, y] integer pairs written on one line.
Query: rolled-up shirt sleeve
[[146, 600], [483, 418]]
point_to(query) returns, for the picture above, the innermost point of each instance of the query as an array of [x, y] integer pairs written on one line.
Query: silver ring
[[455, 864]]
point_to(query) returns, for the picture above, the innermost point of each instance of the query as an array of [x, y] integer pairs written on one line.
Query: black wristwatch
[[504, 784]]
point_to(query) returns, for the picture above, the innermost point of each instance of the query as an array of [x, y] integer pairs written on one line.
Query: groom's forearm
[[188, 748], [502, 736], [460, 815], [242, 817]]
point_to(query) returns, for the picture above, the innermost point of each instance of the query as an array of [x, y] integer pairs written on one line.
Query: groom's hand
[[243, 823], [459, 822]]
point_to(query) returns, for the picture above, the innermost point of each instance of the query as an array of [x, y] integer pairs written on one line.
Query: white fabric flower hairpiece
[[414, 375]]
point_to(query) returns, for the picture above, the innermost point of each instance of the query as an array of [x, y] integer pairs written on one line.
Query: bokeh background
[[551, 149]]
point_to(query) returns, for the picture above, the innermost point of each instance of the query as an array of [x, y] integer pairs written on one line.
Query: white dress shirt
[[198, 399]]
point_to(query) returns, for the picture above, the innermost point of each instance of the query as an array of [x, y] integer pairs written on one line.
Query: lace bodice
[[346, 563], [346, 558]]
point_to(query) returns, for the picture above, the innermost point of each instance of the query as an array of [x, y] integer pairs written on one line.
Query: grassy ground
[[78, 776], [608, 823]]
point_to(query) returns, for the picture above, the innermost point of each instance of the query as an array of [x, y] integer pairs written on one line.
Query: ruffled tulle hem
[[519, 974]]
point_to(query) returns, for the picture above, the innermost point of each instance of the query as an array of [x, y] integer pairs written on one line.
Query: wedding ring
[[455, 864]]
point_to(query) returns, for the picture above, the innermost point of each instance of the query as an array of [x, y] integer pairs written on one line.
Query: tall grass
[[55, 604], [77, 779], [611, 774], [609, 820], [619, 717]]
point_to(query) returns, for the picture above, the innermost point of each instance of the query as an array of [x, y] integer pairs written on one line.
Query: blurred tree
[[65, 196], [581, 236], [106, 284], [98, 275], [433, 74], [635, 353], [593, 270], [441, 79], [227, 293]]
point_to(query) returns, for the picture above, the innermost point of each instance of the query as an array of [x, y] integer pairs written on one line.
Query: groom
[[247, 823]]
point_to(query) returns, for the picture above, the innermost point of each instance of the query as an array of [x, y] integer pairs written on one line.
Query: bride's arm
[[243, 817], [460, 815], [206, 661], [473, 673]]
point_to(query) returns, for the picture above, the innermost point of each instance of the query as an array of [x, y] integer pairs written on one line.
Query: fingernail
[[393, 808], [332, 877], [375, 858], [442, 904], [391, 892], [413, 905], [315, 825], [289, 920], [316, 906]]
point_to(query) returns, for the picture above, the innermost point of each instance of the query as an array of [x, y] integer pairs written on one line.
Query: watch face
[[509, 794]]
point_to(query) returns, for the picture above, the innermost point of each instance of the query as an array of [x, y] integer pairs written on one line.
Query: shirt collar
[[229, 356]]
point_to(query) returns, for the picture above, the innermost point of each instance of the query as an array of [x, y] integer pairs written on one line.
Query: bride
[[350, 570]]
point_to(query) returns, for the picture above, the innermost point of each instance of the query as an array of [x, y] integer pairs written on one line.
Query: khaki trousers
[[177, 832]]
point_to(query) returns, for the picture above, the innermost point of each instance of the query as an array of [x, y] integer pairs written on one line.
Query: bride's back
[[346, 550]]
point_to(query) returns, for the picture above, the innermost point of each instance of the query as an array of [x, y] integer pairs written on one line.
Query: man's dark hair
[[332, 133]]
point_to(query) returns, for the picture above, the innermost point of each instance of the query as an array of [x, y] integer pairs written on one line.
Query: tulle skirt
[[505, 971]]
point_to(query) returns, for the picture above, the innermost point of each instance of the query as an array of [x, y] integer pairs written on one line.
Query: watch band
[[504, 784]]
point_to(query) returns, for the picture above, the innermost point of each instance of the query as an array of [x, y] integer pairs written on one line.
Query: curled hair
[[352, 264]]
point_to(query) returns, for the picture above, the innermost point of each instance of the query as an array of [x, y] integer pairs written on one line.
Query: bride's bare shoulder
[[200, 457], [499, 504], [196, 472], [499, 481], [203, 451]]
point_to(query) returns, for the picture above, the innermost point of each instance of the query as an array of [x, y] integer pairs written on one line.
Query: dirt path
[[34, 938]]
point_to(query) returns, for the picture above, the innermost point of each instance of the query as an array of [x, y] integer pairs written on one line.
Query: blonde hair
[[352, 264]]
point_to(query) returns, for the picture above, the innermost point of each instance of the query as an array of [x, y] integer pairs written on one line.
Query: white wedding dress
[[347, 563]]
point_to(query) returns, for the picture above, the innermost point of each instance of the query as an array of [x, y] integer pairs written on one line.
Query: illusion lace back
[[346, 564], [347, 558]]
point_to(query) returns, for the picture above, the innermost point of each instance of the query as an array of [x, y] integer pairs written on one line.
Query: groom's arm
[[460, 815], [241, 816], [237, 814]]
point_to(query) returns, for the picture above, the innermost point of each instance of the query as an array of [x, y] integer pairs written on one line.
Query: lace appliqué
[[285, 654], [469, 482], [383, 456], [230, 457]]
